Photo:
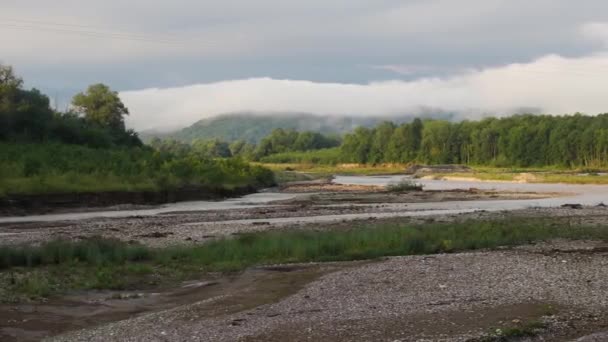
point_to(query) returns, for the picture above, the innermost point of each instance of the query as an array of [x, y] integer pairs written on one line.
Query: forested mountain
[[253, 127], [519, 140]]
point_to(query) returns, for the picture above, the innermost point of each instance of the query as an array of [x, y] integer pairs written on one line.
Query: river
[[583, 194]]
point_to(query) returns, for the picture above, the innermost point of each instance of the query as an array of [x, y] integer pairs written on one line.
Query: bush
[[62, 168], [404, 185]]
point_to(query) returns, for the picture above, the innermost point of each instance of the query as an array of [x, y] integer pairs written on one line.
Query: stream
[[572, 193]]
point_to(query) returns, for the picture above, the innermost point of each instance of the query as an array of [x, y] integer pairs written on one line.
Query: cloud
[[596, 31], [301, 47], [553, 83]]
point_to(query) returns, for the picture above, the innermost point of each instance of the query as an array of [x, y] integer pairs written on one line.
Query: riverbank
[[519, 290], [546, 292], [476, 173], [24, 204], [351, 235]]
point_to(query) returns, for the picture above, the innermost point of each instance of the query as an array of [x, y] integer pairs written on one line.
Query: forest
[[521, 140], [88, 149], [277, 142], [567, 141]]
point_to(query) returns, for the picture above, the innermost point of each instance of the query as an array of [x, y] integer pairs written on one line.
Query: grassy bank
[[530, 175], [61, 168], [59, 266], [338, 169], [534, 175]]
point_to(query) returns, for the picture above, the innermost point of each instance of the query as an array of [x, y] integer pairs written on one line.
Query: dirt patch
[[450, 297], [429, 326], [221, 295], [363, 195], [310, 187]]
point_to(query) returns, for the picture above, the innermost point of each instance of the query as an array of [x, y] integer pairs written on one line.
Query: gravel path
[[451, 297]]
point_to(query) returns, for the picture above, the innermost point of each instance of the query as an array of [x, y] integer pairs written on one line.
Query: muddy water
[[250, 201], [215, 297], [571, 193]]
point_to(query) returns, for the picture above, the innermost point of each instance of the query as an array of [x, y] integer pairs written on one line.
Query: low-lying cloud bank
[[552, 84]]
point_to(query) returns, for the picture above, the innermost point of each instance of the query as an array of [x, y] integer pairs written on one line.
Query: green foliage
[[521, 140], [253, 127], [110, 264], [328, 156], [282, 141], [101, 106], [26, 116], [42, 151], [61, 168], [95, 251], [404, 186]]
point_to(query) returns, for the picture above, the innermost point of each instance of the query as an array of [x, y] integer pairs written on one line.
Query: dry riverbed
[[555, 291], [314, 200]]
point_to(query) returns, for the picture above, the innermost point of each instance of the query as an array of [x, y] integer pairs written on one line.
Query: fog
[[551, 84]]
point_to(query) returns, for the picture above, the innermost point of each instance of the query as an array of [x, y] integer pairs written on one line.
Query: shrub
[[404, 185]]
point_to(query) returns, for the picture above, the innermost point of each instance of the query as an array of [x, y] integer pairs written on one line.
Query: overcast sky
[[181, 60]]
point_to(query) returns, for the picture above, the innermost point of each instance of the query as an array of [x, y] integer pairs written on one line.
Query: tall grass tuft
[[404, 185], [99, 263]]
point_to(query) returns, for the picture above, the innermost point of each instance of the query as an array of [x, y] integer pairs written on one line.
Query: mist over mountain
[[253, 126]]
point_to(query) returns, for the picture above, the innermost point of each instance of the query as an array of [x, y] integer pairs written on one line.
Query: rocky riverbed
[[320, 207], [553, 292]]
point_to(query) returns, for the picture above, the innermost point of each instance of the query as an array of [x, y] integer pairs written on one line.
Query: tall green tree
[[381, 138], [102, 106]]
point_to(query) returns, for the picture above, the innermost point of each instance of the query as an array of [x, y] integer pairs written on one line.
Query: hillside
[[252, 127]]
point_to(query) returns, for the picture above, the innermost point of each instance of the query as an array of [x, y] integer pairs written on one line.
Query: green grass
[[529, 329], [340, 169], [539, 175], [58, 266], [282, 177], [31, 169], [533, 175]]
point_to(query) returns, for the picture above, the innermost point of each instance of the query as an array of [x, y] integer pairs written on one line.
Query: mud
[[218, 295], [361, 194], [450, 297]]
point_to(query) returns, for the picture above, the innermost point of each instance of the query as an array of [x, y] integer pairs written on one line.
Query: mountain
[[252, 127]]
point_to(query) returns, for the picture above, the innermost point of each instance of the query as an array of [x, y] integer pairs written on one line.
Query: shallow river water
[[583, 194]]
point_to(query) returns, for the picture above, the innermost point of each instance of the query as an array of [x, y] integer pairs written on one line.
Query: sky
[[175, 62]]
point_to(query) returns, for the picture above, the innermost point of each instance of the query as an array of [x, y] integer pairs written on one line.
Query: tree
[[380, 140], [396, 151], [102, 106], [24, 114], [8, 78]]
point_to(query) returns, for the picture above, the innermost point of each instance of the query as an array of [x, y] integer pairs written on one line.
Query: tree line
[[520, 140], [95, 119], [278, 141]]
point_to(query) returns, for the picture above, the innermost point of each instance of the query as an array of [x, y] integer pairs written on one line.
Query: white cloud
[[552, 83], [596, 31]]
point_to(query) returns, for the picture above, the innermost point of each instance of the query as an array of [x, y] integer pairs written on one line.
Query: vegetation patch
[[515, 333], [58, 266], [405, 185]]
